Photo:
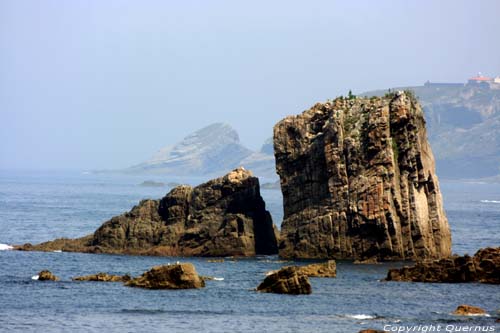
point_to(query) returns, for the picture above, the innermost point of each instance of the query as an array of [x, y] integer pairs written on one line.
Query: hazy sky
[[104, 84]]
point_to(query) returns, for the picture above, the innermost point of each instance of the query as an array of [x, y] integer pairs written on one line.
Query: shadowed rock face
[[358, 182], [223, 217], [483, 267]]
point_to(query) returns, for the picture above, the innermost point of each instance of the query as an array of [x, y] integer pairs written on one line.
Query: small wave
[[218, 279], [57, 251], [5, 247], [361, 316], [35, 277], [491, 201]]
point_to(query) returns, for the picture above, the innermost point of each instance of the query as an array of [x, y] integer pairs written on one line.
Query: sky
[[105, 84]]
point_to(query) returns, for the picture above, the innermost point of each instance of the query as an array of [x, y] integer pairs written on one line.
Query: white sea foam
[[476, 315], [360, 316], [491, 201], [57, 251], [35, 277], [5, 247], [218, 279]]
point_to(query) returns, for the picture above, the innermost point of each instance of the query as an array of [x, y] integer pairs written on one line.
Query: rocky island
[[222, 217], [483, 267], [358, 182]]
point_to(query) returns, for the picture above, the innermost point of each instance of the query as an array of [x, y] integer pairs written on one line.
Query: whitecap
[[218, 279], [35, 277], [491, 201], [5, 247], [57, 251], [360, 316]]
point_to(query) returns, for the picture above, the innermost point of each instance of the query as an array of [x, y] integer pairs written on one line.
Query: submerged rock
[[288, 280], [46, 275], [178, 276], [223, 217], [358, 181], [483, 267], [469, 310], [103, 277]]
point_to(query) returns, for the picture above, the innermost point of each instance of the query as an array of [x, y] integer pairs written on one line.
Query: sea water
[[39, 206]]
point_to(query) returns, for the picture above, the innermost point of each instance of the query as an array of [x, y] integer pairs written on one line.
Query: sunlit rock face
[[358, 182]]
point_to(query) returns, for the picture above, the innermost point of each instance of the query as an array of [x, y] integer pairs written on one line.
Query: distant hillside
[[464, 128], [212, 150]]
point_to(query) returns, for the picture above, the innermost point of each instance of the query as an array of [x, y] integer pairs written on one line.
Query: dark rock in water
[[103, 277], [483, 267], [468, 310], [46, 275], [288, 280], [152, 183], [358, 181], [223, 217], [178, 276]]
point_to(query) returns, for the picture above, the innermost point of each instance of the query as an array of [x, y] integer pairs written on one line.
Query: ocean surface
[[40, 206]]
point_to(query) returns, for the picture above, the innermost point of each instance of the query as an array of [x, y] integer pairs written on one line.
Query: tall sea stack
[[358, 181]]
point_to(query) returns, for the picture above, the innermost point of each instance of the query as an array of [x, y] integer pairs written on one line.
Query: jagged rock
[[358, 181], [468, 310], [288, 280], [46, 275], [483, 267], [178, 276], [223, 217], [103, 277]]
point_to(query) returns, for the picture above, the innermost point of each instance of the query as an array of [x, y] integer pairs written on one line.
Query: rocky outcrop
[[46, 275], [288, 280], [358, 182], [469, 310], [323, 270], [178, 276], [223, 217], [483, 267], [327, 269], [103, 277]]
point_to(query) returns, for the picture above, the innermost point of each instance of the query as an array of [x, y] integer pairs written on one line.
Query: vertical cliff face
[[358, 181]]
